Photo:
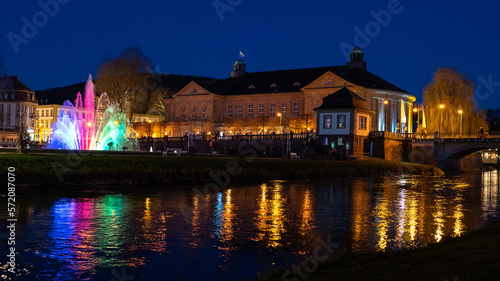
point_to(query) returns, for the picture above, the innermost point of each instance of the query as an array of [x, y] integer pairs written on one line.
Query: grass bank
[[474, 256], [50, 168]]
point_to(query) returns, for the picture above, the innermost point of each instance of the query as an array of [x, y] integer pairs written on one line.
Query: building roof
[[172, 82], [343, 99], [12, 83], [294, 79]]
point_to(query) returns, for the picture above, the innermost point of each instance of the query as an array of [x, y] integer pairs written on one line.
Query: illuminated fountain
[[79, 127]]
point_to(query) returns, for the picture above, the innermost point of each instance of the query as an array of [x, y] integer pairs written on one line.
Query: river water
[[240, 232]]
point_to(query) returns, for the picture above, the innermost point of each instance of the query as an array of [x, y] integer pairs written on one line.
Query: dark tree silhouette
[[126, 80], [493, 119]]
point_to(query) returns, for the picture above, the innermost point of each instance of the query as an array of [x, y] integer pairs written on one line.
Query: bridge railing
[[383, 134], [459, 138], [291, 136], [300, 136], [464, 137]]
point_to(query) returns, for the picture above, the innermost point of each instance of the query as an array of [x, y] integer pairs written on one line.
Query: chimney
[[17, 78]]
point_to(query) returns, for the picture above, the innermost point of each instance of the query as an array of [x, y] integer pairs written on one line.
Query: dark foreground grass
[[64, 169], [474, 256]]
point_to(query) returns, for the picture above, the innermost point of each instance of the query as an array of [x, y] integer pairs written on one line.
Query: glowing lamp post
[[386, 102], [281, 128], [441, 106], [149, 133], [415, 110], [460, 112]]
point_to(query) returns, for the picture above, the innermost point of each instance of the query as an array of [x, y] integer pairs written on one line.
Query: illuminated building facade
[[283, 101], [17, 107]]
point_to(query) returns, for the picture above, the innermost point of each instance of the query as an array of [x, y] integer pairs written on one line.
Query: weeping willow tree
[[445, 97]]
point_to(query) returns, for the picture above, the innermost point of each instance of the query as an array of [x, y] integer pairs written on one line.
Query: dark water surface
[[241, 231]]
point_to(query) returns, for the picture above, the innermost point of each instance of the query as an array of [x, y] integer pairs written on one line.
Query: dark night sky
[[190, 37]]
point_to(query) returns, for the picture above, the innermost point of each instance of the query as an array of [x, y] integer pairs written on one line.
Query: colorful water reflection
[[244, 230]]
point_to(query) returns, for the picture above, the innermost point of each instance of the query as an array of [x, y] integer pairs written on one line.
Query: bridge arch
[[463, 150], [447, 153]]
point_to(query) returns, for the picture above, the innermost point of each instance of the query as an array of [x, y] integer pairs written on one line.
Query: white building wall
[[359, 131], [334, 130]]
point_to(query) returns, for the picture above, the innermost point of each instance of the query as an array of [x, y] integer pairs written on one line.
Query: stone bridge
[[446, 153]]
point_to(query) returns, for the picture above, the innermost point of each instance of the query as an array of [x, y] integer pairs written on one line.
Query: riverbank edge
[[37, 170], [472, 256]]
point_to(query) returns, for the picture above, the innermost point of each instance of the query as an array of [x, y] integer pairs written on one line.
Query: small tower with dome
[[239, 67], [357, 59]]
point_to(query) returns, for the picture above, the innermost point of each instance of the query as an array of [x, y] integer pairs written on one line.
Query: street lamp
[[281, 128], [149, 133], [415, 110], [460, 112], [441, 106], [386, 102]]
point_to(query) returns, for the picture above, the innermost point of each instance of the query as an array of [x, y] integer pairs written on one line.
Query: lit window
[[341, 121], [362, 123], [240, 110], [283, 108], [261, 110], [327, 121]]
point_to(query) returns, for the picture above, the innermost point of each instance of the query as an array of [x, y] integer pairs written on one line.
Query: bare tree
[[126, 81], [2, 65], [493, 119], [449, 93], [156, 99], [23, 138], [4, 81]]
